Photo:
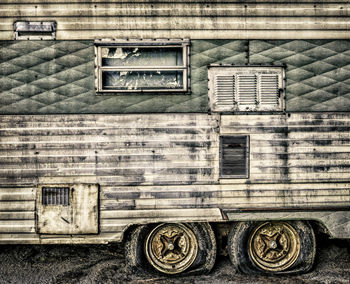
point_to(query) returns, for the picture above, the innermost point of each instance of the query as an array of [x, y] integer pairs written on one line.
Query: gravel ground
[[106, 264]]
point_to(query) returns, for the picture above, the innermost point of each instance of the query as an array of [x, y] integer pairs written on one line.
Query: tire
[[134, 255], [276, 247], [197, 240]]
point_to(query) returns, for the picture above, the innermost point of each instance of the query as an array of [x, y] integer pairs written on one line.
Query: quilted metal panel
[[318, 71], [46, 77], [206, 52]]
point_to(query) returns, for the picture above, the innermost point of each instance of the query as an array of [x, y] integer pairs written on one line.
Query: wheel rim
[[171, 248], [274, 246]]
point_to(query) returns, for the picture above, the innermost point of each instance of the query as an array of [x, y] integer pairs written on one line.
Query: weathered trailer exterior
[[83, 164]]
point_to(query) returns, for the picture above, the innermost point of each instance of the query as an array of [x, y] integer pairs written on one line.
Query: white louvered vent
[[224, 91], [246, 88]]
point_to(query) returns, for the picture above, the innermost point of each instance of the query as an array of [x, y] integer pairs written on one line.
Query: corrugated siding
[[195, 19], [295, 148], [17, 214], [109, 150], [165, 167], [123, 150]]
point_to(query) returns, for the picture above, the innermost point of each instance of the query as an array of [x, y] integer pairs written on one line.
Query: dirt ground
[[106, 264]]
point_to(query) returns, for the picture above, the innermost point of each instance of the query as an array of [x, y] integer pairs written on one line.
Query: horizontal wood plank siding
[[151, 167], [136, 149], [196, 19], [295, 147]]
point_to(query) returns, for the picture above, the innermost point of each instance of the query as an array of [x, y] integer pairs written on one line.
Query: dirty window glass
[[145, 67], [126, 56], [134, 80]]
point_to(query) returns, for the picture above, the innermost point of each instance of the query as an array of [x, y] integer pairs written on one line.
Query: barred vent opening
[[234, 156], [55, 196]]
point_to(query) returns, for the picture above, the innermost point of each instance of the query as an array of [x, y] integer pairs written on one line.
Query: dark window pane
[[140, 56], [137, 80], [234, 156]]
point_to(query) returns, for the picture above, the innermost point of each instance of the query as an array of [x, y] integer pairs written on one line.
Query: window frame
[[247, 160], [236, 70], [140, 43]]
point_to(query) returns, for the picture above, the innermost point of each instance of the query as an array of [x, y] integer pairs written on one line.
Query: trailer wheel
[[272, 247], [172, 248]]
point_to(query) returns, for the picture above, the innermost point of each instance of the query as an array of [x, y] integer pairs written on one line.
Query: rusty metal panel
[[67, 209]]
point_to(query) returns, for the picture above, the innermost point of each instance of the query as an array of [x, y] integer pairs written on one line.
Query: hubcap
[[171, 248], [274, 246]]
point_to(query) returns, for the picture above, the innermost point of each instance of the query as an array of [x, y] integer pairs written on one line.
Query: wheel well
[[221, 231]]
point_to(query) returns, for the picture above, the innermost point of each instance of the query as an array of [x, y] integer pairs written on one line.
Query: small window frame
[[235, 70], [142, 43], [247, 160]]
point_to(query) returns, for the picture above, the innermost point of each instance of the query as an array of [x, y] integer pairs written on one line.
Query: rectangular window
[[142, 66], [246, 88], [234, 156]]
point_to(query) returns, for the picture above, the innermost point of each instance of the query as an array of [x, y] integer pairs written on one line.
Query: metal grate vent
[[234, 156], [246, 88], [55, 196]]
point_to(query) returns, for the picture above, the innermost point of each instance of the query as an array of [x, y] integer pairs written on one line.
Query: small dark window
[[234, 156], [55, 196]]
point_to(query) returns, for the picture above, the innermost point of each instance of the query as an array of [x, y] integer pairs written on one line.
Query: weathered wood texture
[[297, 147], [164, 167], [118, 150], [196, 19]]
